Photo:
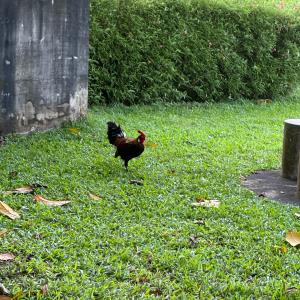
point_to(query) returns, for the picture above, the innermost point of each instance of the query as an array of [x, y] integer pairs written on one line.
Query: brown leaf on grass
[[293, 238], [95, 197], [8, 211], [142, 280], [206, 203], [151, 145], [74, 130], [7, 257], [3, 297], [41, 199], [44, 290], [263, 101], [3, 232], [283, 249], [27, 189], [156, 291]]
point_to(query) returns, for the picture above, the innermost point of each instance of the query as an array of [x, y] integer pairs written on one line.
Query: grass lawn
[[141, 242]]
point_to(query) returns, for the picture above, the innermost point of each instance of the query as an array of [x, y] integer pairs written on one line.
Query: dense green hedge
[[175, 50]]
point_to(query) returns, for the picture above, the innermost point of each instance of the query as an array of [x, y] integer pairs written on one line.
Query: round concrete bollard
[[298, 182], [291, 148]]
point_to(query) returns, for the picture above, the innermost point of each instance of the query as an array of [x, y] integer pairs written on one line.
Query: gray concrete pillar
[[43, 63], [291, 148]]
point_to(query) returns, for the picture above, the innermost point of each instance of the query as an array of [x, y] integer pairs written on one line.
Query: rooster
[[127, 148]]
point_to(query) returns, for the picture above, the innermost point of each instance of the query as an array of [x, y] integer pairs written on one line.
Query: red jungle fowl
[[127, 148]]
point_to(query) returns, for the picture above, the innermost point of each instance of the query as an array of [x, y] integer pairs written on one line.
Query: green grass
[[136, 242]]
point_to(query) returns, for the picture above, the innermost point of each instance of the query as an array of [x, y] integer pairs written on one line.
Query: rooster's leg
[[126, 164]]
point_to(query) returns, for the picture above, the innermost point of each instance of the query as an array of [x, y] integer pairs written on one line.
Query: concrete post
[[298, 180], [43, 63], [291, 148]]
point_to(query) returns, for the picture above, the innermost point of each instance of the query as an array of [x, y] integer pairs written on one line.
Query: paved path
[[270, 184]]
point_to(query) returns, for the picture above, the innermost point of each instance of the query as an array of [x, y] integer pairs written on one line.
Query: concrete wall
[[44, 63]]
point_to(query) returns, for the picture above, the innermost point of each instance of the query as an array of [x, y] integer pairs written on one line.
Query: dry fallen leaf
[[27, 189], [207, 203], [7, 257], [151, 145], [156, 291], [263, 101], [44, 289], [142, 280], [8, 211], [293, 238], [95, 197], [297, 215], [3, 232], [2, 297], [39, 198], [283, 249], [74, 130]]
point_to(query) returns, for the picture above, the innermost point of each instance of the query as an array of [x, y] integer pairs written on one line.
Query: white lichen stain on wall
[[29, 111], [78, 104]]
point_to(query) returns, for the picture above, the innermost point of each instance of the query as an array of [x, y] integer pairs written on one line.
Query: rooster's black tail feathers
[[113, 132]]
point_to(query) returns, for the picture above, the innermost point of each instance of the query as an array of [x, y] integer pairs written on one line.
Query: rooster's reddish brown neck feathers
[[127, 148]]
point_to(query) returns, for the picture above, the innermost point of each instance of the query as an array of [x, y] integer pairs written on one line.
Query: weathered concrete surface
[[291, 148], [272, 185], [44, 63]]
